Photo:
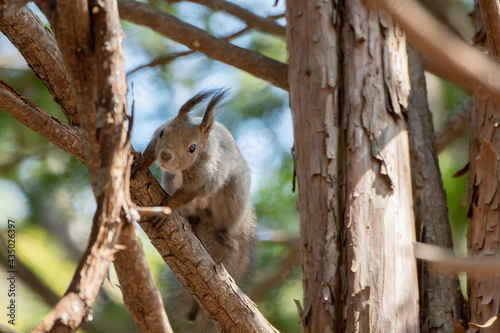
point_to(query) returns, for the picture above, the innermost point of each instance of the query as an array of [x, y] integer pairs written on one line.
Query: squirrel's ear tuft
[[208, 119], [196, 99]]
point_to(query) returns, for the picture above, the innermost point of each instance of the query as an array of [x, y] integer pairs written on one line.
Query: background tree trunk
[[353, 168], [314, 91], [440, 296], [484, 188]]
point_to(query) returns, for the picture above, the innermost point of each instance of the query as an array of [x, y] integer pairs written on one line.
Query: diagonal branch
[[140, 294], [460, 62], [252, 20], [39, 48], [41, 122], [171, 57], [171, 27]]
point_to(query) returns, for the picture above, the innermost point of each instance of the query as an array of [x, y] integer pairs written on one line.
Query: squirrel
[[207, 181]]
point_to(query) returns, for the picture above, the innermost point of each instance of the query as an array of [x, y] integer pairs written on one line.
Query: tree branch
[[142, 298], [41, 122], [444, 260], [252, 20], [96, 73], [171, 57], [171, 27], [170, 242], [208, 281], [460, 62], [39, 48]]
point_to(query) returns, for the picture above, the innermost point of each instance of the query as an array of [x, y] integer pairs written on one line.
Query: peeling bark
[[484, 230], [352, 162], [382, 288]]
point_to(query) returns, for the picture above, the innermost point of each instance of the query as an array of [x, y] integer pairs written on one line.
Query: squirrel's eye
[[192, 149], [161, 133]]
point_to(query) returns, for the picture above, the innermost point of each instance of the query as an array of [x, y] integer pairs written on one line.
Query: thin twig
[[264, 24], [173, 56], [154, 211], [171, 27], [444, 260]]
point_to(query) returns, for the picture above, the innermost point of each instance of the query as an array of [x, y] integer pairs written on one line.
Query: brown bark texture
[[353, 168], [440, 297], [382, 287], [314, 99], [140, 295], [39, 48], [484, 189]]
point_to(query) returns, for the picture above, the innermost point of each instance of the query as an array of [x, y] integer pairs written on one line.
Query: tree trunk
[[352, 162], [314, 92], [440, 297], [382, 290], [484, 187]]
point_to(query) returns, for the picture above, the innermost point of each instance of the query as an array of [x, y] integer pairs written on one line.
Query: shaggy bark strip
[[171, 27], [484, 189], [382, 286], [314, 98], [440, 297]]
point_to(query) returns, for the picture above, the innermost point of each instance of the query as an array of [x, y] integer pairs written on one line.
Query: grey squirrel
[[208, 182]]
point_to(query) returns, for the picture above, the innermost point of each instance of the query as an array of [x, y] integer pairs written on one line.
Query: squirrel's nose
[[165, 156]]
